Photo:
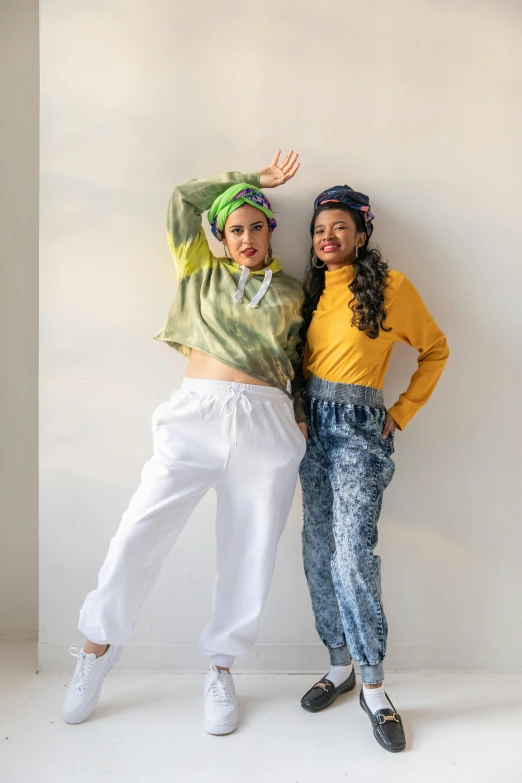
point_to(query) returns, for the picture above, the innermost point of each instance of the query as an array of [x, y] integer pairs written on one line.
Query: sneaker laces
[[84, 669], [217, 685]]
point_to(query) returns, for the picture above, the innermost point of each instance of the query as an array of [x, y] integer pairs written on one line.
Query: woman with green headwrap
[[236, 425]]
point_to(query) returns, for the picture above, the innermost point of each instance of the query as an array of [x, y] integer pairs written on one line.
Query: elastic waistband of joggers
[[344, 393], [254, 392]]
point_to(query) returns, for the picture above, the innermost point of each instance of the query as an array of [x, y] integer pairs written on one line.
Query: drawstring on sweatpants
[[230, 407]]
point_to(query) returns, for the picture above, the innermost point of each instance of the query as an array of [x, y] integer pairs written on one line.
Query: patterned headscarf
[[232, 199], [349, 198]]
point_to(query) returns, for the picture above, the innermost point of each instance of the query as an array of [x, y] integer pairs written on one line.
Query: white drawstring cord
[[238, 296], [262, 291], [230, 407]]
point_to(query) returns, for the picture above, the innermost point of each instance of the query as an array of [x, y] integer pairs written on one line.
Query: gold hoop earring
[[269, 257], [314, 259], [226, 251]]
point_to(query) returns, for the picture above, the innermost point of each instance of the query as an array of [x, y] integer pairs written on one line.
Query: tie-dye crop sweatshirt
[[247, 320]]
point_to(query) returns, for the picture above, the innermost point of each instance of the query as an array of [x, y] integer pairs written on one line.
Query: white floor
[[147, 729]]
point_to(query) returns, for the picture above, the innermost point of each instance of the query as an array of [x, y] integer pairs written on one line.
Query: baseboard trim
[[291, 658], [18, 627], [186, 658]]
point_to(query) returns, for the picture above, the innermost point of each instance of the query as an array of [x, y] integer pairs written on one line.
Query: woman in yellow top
[[355, 310]]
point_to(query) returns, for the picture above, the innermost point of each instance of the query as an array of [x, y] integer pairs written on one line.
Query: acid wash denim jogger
[[346, 468]]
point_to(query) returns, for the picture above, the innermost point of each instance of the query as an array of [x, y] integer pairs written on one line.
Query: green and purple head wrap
[[233, 198]]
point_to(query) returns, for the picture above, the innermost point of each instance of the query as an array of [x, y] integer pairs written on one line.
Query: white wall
[[416, 103], [19, 319]]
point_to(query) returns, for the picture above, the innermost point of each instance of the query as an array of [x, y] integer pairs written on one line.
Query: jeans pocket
[[387, 470], [389, 443], [378, 422]]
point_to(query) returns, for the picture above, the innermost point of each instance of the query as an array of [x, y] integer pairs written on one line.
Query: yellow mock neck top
[[337, 351]]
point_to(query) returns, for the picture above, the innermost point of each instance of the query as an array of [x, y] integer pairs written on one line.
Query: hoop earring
[[226, 251], [314, 259], [269, 255]]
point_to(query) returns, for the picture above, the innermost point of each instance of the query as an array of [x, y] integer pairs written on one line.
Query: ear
[[360, 240]]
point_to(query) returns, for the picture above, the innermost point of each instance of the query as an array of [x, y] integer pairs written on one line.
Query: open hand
[[277, 174], [390, 425]]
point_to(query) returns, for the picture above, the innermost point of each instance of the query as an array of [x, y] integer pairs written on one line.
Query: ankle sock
[[376, 699], [339, 674], [223, 661]]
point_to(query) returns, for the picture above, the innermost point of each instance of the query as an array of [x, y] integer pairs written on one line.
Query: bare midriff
[[203, 367]]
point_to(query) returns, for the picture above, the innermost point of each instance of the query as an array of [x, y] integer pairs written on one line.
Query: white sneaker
[[221, 710], [84, 690]]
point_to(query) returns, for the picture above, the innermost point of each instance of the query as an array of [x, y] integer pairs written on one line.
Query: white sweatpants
[[240, 440]]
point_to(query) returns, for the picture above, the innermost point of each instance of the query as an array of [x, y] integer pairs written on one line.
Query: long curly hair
[[368, 286]]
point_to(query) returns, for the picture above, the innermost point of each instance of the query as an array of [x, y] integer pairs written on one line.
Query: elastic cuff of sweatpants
[[225, 661], [340, 656], [372, 675]]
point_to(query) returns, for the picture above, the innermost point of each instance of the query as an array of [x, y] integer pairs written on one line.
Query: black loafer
[[325, 693], [387, 726]]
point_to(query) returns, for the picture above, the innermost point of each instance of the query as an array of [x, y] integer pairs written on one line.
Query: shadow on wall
[[437, 560]]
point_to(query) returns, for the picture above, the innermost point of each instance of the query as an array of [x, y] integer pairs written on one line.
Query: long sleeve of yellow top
[[337, 351]]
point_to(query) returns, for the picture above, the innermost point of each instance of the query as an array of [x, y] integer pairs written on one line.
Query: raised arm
[[185, 234]]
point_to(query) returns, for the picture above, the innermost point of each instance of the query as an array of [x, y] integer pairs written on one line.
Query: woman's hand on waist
[[390, 425]]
